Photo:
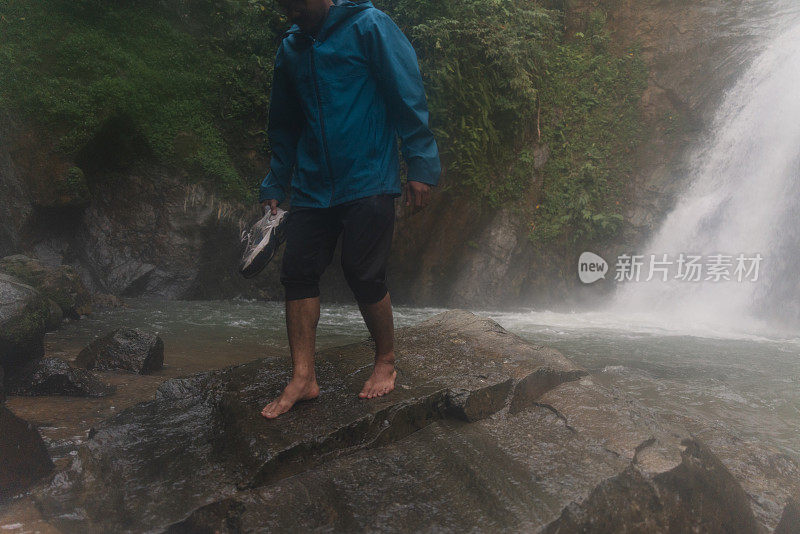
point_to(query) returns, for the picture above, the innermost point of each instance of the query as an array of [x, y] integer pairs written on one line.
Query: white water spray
[[742, 198]]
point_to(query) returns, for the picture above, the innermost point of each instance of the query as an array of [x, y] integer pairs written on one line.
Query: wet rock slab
[[581, 459], [54, 376], [485, 432], [790, 520], [203, 438], [769, 475], [23, 455]]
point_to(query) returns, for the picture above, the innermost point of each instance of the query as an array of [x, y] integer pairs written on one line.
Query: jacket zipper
[[321, 119]]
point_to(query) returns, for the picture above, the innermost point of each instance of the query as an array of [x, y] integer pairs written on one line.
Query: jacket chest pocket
[[340, 61], [344, 70]]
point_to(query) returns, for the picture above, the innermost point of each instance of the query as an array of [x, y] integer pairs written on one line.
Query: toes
[[274, 409], [371, 391], [366, 390]]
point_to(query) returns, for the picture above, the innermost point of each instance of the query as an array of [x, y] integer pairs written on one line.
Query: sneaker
[[261, 242]]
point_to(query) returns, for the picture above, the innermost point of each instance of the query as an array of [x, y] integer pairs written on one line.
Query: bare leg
[[302, 316], [380, 323]]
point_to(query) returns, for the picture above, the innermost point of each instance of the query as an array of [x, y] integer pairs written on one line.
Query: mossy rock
[[61, 284], [23, 319], [61, 186]]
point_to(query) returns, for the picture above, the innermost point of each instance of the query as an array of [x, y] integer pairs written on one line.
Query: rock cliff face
[[484, 431], [145, 231], [149, 234]]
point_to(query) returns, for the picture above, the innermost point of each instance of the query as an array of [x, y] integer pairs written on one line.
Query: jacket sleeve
[[283, 130], [394, 62]]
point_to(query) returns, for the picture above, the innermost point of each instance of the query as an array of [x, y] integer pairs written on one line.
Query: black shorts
[[366, 225]]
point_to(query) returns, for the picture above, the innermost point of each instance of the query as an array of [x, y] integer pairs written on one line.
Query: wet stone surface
[[125, 349], [23, 452], [54, 376], [203, 437], [484, 431]]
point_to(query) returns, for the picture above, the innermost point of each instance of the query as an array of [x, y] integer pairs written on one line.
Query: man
[[345, 83]]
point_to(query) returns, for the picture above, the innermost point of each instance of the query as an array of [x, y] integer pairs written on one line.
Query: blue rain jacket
[[337, 103]]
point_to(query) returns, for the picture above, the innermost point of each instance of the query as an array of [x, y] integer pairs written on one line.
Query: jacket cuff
[[266, 192], [427, 172]]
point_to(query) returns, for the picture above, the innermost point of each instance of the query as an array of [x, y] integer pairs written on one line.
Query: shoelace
[[263, 225]]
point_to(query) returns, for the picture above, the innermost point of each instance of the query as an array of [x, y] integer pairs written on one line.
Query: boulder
[[769, 474], [24, 455], [671, 482], [207, 437], [62, 284], [23, 317], [124, 349], [790, 520], [603, 464], [54, 376]]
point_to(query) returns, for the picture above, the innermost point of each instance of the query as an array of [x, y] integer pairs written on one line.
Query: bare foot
[[298, 389], [381, 382]]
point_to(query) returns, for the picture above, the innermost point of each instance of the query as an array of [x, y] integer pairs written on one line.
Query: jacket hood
[[340, 11]]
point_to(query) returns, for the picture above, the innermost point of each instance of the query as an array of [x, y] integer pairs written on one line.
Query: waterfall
[[743, 197]]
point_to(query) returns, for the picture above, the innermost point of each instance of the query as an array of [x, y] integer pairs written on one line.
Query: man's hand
[[417, 194], [272, 204]]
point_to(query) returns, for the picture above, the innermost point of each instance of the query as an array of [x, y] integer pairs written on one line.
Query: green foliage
[[192, 78], [590, 105], [74, 64], [481, 61], [500, 77]]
